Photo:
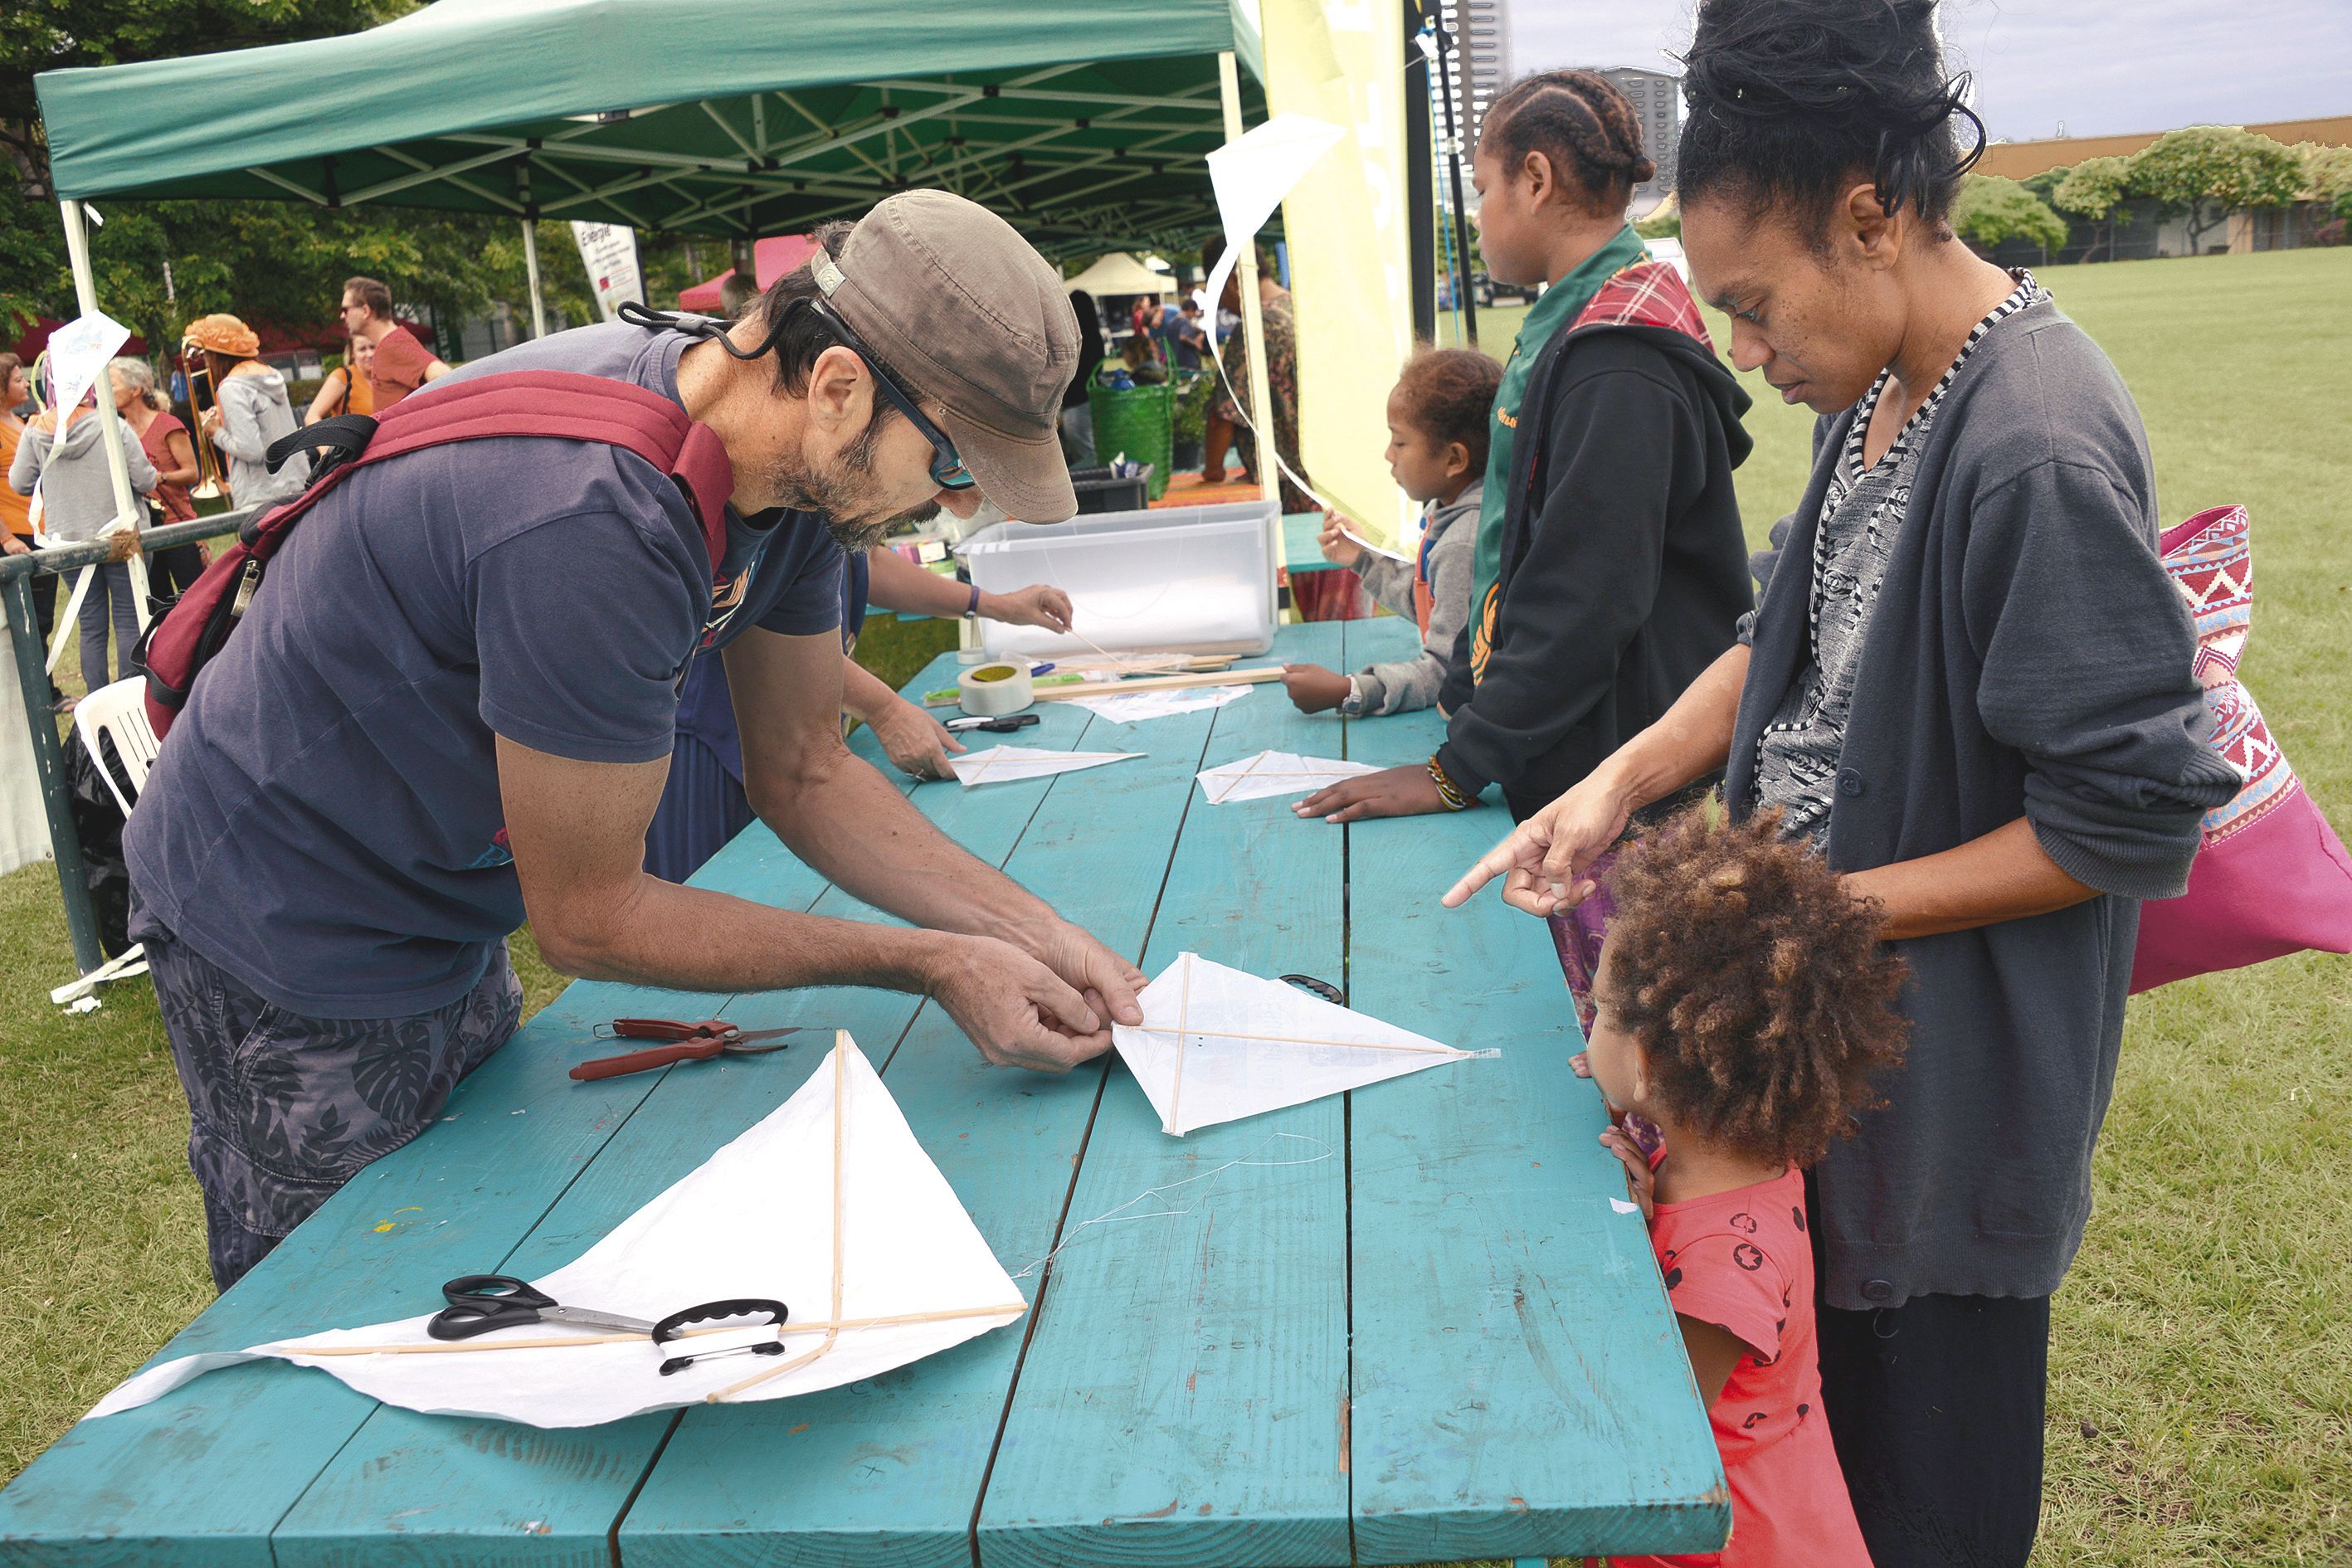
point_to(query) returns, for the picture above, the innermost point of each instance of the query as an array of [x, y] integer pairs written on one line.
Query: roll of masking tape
[[987, 690]]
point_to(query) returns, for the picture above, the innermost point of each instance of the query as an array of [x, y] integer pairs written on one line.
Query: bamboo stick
[[1160, 683]]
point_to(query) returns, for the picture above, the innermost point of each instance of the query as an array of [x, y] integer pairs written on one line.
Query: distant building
[[2023, 160], [2149, 232], [1658, 102], [1479, 61]]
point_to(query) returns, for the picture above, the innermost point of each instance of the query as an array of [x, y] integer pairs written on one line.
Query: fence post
[[73, 880]]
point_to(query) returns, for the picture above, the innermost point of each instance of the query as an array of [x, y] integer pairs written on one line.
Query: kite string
[[1117, 1216]]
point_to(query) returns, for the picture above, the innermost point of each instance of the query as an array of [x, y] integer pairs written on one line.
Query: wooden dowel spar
[[1179, 1031]]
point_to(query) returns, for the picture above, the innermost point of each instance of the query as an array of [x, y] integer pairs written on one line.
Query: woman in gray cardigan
[[250, 410], [1969, 682], [63, 456]]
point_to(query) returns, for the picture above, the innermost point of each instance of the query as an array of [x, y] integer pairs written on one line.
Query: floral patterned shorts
[[283, 1109]]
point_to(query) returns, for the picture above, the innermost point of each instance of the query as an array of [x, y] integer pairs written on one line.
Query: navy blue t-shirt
[[324, 820]]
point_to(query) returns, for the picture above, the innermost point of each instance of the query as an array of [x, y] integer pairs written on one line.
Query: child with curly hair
[[1744, 999]]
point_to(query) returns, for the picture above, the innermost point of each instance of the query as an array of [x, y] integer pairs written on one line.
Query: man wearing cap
[[451, 706]]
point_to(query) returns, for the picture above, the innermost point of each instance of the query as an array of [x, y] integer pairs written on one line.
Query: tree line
[[2199, 174]]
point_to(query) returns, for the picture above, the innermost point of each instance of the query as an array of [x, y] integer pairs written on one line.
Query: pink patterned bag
[[2271, 877]]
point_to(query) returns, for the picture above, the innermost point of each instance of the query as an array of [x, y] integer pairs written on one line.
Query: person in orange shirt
[[15, 510], [1743, 1001], [347, 389], [401, 364]]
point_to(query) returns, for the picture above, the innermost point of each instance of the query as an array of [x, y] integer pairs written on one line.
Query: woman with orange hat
[[250, 410]]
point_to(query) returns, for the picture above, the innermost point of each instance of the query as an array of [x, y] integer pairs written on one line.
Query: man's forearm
[[895, 582], [851, 826], [690, 939]]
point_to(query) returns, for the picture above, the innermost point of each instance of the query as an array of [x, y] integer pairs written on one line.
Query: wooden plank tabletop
[[1402, 1325]]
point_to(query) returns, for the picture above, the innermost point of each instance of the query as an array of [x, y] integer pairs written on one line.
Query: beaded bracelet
[[1447, 792]]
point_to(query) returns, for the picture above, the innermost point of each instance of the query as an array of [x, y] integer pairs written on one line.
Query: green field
[[2201, 1399]]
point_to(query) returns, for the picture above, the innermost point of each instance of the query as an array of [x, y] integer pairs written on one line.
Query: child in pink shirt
[[1743, 999]]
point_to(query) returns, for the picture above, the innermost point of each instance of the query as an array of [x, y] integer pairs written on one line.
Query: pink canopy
[[772, 258]]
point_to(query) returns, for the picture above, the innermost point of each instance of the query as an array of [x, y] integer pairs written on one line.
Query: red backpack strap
[[567, 405], [557, 404]]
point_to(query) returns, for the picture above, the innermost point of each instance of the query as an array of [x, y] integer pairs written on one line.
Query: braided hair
[[1791, 100], [1756, 985], [1580, 121]]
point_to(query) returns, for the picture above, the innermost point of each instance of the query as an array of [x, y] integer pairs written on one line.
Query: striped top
[[1797, 755]]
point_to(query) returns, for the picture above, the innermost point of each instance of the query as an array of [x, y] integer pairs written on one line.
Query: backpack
[[564, 406]]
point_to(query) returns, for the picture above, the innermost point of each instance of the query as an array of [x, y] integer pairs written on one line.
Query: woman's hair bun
[[1790, 98]]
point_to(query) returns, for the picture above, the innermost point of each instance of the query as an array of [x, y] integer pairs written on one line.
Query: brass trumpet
[[198, 371]]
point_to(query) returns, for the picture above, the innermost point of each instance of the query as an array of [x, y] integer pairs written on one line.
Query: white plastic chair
[[120, 712]]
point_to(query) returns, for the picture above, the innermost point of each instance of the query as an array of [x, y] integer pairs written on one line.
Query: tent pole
[[1261, 408], [128, 512], [531, 270]]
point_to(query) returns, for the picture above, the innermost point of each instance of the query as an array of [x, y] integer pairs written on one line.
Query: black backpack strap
[[345, 437]]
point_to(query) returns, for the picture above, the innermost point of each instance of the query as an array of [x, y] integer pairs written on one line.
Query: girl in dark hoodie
[[1611, 567]]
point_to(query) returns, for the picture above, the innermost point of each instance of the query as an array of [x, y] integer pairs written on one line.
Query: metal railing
[[16, 574]]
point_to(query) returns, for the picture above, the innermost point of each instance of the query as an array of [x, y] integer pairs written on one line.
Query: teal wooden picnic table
[[1412, 1328]]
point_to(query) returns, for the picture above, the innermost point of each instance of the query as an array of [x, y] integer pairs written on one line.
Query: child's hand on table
[[1314, 688], [1641, 1184], [1338, 547]]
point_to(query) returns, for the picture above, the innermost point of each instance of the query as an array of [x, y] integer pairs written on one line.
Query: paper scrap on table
[[758, 1218], [999, 765], [1218, 1044], [1138, 706], [1275, 773]]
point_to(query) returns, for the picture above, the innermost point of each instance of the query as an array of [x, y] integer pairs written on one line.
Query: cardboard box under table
[[1409, 1325]]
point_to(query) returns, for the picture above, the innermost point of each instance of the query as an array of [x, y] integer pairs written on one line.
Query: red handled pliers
[[691, 1043]]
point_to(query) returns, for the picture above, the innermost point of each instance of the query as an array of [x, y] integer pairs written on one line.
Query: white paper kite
[[1217, 1044], [998, 765], [1275, 773], [1141, 705], [829, 1205]]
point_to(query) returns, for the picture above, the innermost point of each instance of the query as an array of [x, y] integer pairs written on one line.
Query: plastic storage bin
[[1196, 578]]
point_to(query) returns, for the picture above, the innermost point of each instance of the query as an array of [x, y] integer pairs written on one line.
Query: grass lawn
[[2201, 1377]]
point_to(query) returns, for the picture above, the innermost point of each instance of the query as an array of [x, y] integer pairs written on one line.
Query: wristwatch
[[1352, 705]]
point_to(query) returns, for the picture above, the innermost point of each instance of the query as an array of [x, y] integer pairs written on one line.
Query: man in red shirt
[[402, 364]]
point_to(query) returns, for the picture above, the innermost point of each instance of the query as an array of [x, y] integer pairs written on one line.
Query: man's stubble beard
[[838, 496]]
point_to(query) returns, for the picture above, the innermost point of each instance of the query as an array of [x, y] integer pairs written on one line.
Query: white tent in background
[[1219, 1044], [1120, 273], [829, 1205]]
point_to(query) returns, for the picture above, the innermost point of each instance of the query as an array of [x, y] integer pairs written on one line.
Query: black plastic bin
[[1098, 491]]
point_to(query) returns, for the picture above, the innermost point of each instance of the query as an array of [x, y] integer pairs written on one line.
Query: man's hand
[[1107, 981], [1407, 790], [915, 740], [12, 546], [1542, 864], [1017, 1010], [1313, 688], [1338, 547], [1035, 605]]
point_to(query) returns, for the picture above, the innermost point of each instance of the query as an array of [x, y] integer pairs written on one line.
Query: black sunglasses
[[948, 470]]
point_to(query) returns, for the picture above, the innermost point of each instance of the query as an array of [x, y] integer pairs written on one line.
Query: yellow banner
[[1342, 61]]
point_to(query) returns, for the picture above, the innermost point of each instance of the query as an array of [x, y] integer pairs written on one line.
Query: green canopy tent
[[1083, 122]]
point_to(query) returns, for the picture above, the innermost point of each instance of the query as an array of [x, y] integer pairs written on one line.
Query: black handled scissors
[[485, 1303]]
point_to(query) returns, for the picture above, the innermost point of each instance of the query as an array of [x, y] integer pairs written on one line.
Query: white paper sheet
[[1141, 705], [1275, 773], [756, 1219], [999, 765], [1251, 175], [1218, 1044]]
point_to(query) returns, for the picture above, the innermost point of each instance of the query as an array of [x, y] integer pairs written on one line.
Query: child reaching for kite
[[1744, 999], [1438, 414]]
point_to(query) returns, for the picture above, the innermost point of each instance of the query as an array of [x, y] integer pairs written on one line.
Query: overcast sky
[[2101, 66]]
